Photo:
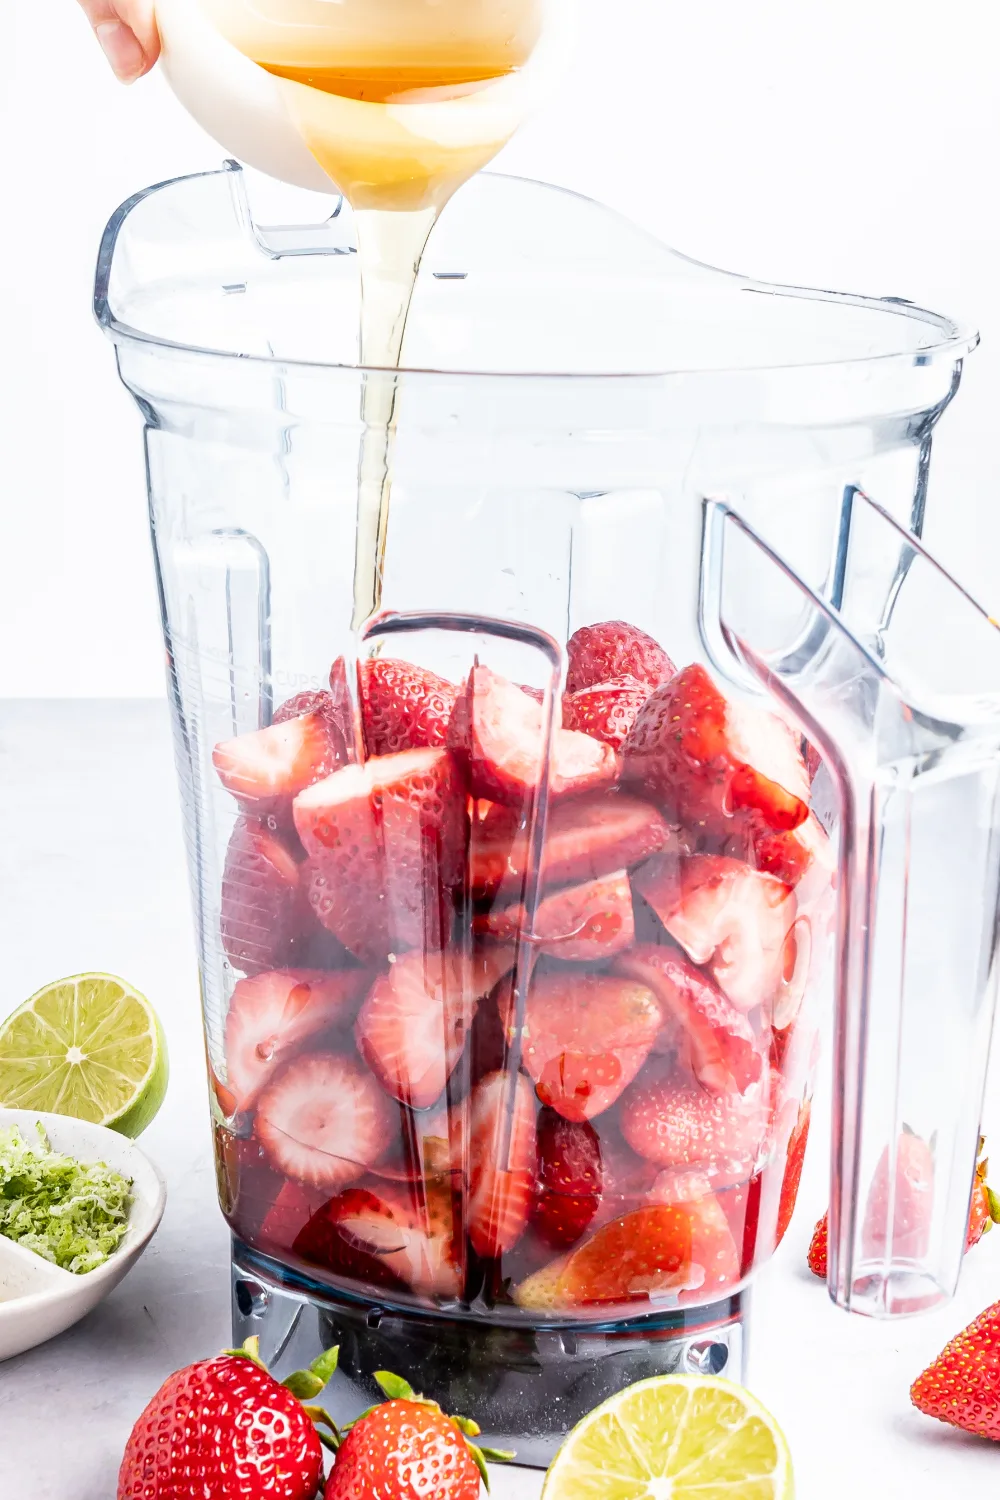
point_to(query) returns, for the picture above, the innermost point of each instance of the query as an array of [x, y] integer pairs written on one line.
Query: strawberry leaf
[[467, 1426], [250, 1351], [498, 1455], [994, 1203], [325, 1367], [322, 1418], [303, 1384], [394, 1386], [479, 1459]]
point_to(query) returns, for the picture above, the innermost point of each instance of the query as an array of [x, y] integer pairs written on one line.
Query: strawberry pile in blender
[[456, 1078]]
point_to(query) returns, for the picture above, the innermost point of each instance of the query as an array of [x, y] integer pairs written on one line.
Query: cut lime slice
[[91, 1047], [686, 1437]]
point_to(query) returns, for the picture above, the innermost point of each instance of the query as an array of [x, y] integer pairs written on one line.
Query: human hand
[[126, 30]]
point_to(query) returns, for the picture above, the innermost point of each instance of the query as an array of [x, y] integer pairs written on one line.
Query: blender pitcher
[[520, 907]]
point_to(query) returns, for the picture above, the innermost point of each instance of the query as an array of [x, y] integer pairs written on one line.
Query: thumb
[[126, 30]]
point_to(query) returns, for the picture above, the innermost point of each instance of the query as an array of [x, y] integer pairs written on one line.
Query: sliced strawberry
[[703, 759], [675, 1123], [898, 1219], [803, 857], [585, 838], [246, 1184], [273, 765], [413, 1025], [389, 1236], [404, 707], [667, 1254], [264, 908], [570, 1176], [734, 921], [497, 730], [336, 712], [386, 842], [614, 650], [271, 1015], [501, 1163], [713, 1038], [606, 711], [322, 1119], [585, 1037], [795, 1157], [812, 758], [581, 923], [288, 1215]]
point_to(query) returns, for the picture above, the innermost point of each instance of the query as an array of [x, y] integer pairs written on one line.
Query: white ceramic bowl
[[39, 1300]]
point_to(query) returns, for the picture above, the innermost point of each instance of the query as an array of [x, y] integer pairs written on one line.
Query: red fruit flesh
[[614, 650], [584, 922], [501, 1182], [404, 707], [336, 711], [714, 1039], [585, 1037], [225, 1428], [570, 1177], [962, 1386], [803, 857], [323, 1120], [585, 838], [703, 759], [497, 730], [273, 765], [403, 1450], [730, 919], [794, 1162], [264, 908], [606, 711], [386, 842], [290, 1212], [389, 1235], [273, 1014], [412, 1027], [675, 1123]]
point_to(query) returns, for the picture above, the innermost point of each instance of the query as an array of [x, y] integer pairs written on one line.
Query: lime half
[[91, 1047], [675, 1437]]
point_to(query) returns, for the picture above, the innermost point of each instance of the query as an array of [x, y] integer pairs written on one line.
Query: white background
[[848, 144]]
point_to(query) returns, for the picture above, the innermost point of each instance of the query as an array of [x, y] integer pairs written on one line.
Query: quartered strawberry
[[389, 1235], [412, 1027], [712, 1038], [322, 1119], [497, 730], [585, 838], [577, 924], [734, 921], [962, 1386], [614, 650], [570, 1179], [673, 1253], [606, 711], [273, 765], [387, 842], [703, 759], [794, 1161], [675, 1123], [585, 1037], [264, 909], [910, 1202], [501, 1163], [404, 707], [273, 1014], [817, 1255]]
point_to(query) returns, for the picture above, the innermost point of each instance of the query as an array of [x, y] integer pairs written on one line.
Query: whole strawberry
[[407, 1449], [225, 1428], [962, 1386]]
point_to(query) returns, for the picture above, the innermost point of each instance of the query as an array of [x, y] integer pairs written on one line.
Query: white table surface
[[92, 877]]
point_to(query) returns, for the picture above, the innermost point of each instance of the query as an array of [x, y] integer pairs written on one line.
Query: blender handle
[[912, 757]]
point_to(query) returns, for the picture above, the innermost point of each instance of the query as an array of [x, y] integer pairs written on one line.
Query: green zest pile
[[75, 1215]]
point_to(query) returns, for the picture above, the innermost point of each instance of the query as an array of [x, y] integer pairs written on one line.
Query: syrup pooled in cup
[[627, 1132]]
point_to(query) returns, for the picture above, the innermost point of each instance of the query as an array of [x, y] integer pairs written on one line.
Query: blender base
[[526, 1386]]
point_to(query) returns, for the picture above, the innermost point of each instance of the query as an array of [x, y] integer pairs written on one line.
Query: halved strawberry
[[290, 1212], [501, 1162], [264, 909], [734, 921], [703, 759], [713, 1038], [386, 841], [585, 838], [570, 1179], [497, 730], [585, 1037], [606, 711], [614, 650], [667, 1254], [271, 1015], [898, 1217], [412, 1027], [322, 1119], [404, 707], [389, 1236], [795, 1157], [676, 1123], [577, 924], [273, 765]]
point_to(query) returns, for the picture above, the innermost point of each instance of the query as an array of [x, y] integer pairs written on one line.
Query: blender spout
[[898, 686]]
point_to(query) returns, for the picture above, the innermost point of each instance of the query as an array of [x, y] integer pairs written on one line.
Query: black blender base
[[525, 1386]]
